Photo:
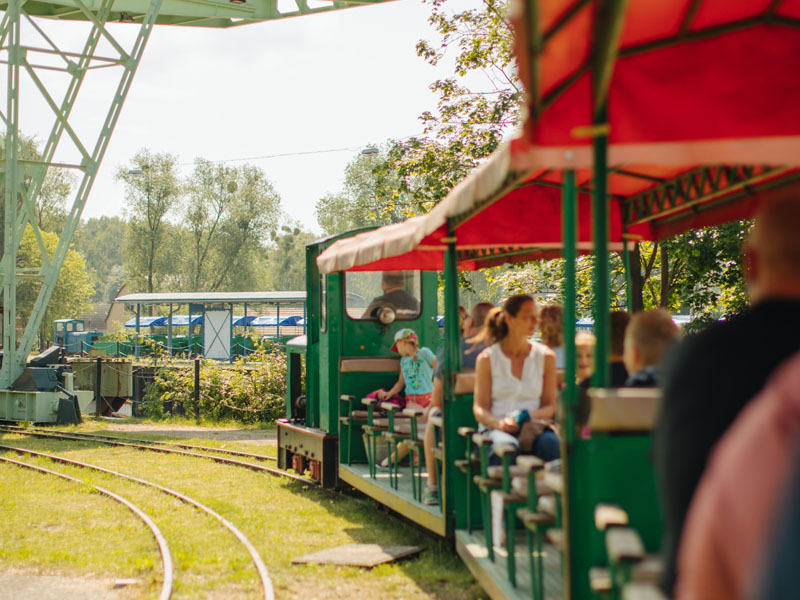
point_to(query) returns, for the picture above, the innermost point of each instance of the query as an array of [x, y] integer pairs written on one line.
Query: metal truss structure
[[22, 174]]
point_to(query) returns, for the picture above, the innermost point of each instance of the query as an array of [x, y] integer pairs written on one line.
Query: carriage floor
[[493, 577], [401, 500]]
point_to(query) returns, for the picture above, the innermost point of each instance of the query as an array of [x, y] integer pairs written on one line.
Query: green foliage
[[100, 241], [471, 118], [229, 214], [73, 291], [371, 195], [252, 390], [152, 190], [287, 259]]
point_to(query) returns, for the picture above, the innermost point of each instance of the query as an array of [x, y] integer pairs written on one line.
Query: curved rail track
[[111, 441], [163, 548], [266, 582], [117, 438]]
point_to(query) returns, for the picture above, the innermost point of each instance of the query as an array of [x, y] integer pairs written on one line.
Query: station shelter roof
[[289, 297], [695, 97]]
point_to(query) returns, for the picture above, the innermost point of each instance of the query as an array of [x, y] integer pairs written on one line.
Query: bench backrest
[[623, 409], [369, 364], [465, 382]]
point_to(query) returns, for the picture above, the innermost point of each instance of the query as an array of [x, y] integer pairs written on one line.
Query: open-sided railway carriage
[[645, 119]]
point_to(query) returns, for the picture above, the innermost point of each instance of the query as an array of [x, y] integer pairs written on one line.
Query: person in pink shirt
[[725, 543]]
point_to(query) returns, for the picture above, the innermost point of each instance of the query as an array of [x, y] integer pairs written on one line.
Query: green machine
[[347, 349], [33, 52]]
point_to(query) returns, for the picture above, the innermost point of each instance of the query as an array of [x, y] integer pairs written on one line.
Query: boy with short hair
[[647, 338]]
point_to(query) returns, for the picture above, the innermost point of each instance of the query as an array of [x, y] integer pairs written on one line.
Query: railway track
[[118, 438], [161, 542], [266, 582], [149, 446]]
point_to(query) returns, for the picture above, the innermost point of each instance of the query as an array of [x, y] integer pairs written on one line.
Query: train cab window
[[367, 292], [323, 303]]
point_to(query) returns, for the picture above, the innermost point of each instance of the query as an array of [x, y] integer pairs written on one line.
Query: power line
[[304, 153], [224, 160]]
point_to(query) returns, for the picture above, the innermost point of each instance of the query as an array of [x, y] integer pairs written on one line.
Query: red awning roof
[[684, 81], [713, 83]]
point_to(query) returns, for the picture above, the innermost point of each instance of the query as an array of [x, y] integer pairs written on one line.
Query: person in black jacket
[[393, 295], [713, 374]]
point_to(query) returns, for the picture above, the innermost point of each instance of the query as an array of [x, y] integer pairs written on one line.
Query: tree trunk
[[637, 280], [664, 292]]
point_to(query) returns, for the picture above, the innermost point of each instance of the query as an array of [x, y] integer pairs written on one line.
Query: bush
[[251, 390]]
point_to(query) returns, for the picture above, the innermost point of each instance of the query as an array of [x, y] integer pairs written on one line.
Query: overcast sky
[[343, 79]]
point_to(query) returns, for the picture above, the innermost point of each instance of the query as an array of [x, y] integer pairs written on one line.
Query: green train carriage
[[600, 169]]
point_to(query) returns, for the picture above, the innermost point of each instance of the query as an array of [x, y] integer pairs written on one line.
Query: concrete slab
[[358, 555]]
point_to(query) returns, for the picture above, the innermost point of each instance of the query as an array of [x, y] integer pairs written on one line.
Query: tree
[[249, 219], [72, 293], [371, 195], [470, 120], [287, 260], [210, 194], [99, 240], [50, 205], [152, 192]]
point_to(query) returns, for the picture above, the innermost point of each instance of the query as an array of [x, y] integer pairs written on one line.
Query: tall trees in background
[[229, 213], [371, 195], [152, 192]]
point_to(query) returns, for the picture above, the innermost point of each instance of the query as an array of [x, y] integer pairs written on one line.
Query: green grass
[[59, 527]]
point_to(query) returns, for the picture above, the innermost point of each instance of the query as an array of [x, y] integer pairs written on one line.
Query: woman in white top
[[514, 376]]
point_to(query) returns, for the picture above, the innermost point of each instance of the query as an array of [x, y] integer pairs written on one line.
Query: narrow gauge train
[[609, 153]]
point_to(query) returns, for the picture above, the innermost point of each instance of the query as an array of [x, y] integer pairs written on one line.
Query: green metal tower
[[35, 58]]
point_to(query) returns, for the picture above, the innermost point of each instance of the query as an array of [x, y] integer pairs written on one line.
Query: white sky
[[344, 79]]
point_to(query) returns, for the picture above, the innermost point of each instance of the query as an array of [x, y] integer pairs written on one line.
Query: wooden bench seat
[[608, 515], [464, 383], [623, 544], [642, 591], [623, 409]]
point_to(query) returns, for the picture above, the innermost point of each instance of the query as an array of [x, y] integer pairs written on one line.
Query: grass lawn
[[54, 526]]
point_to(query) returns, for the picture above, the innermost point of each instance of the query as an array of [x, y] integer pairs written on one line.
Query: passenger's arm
[[482, 404], [395, 389], [547, 408]]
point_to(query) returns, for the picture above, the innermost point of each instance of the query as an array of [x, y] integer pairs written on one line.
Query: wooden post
[[197, 389]]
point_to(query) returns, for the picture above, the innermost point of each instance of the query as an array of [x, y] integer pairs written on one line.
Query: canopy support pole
[[169, 332], [601, 272], [569, 396], [138, 327], [452, 353]]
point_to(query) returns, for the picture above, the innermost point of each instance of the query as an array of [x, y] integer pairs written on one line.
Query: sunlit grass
[[283, 519]]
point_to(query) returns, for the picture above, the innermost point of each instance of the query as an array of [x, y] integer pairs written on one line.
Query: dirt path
[[16, 584], [259, 437]]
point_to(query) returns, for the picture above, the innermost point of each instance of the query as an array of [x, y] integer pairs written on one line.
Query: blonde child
[[416, 376], [647, 339]]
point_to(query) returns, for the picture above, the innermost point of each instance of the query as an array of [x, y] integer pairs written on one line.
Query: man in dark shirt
[[393, 295], [712, 375]]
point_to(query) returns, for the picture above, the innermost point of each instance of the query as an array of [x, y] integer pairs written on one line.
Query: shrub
[[251, 390]]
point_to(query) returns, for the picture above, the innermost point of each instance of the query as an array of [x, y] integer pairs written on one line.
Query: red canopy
[[684, 81], [689, 93]]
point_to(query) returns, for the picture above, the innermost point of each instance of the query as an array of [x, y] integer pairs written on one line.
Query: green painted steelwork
[[23, 175], [19, 213], [600, 378], [569, 395], [195, 13], [697, 186], [452, 364]]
